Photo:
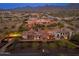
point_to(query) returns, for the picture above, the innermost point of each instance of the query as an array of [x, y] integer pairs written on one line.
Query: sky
[[15, 5]]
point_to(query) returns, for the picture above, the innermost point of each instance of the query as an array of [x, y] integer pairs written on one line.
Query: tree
[[60, 25], [75, 38], [5, 27], [23, 28], [13, 26], [51, 25]]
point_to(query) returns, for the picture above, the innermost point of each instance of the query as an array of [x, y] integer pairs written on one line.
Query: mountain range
[[48, 6]]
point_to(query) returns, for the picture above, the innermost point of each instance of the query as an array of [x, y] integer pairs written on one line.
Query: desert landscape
[[43, 30]]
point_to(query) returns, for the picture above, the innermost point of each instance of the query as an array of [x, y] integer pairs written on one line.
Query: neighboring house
[[33, 21]]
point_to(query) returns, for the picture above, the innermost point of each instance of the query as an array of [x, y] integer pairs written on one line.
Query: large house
[[55, 34]]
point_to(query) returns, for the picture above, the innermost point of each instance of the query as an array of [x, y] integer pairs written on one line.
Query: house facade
[[55, 34]]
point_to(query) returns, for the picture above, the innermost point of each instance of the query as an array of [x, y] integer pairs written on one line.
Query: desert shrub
[[45, 45], [75, 38], [35, 45], [70, 45], [52, 45], [60, 43], [64, 43]]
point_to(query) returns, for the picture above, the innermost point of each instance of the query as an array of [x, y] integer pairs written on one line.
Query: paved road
[[3, 49]]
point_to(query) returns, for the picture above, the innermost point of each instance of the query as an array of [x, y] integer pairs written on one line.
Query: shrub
[[60, 43], [75, 38], [70, 45], [52, 45], [35, 45]]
